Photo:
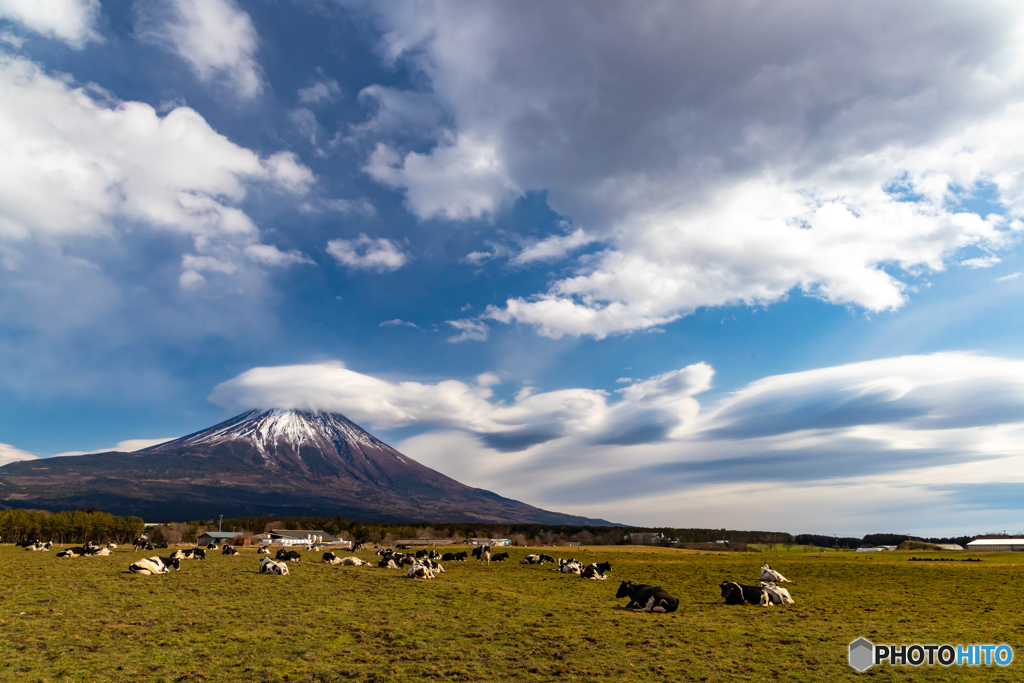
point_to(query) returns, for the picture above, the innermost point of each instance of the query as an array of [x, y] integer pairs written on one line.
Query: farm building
[[489, 541], [218, 537], [299, 537], [1016, 544], [950, 546]]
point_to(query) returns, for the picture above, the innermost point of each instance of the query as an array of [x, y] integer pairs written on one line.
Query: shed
[[1014, 544], [950, 546], [288, 537], [218, 537]]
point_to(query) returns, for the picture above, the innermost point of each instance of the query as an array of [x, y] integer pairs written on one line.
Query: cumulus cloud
[[321, 91], [272, 256], [216, 37], [461, 178], [365, 253], [759, 155], [852, 443], [551, 248], [658, 405], [9, 454], [77, 162], [71, 21], [469, 329]]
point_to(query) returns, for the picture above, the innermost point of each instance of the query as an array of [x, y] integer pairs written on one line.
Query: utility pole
[[220, 522]]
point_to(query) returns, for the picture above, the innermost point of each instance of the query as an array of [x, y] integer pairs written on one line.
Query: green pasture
[[86, 619], [788, 548]]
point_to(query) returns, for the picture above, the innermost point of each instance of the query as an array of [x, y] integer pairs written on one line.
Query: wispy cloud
[[365, 253], [398, 322]]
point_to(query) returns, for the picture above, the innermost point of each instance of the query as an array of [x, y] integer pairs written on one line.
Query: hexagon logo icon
[[862, 654]]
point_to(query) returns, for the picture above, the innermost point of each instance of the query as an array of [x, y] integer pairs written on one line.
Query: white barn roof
[[997, 544]]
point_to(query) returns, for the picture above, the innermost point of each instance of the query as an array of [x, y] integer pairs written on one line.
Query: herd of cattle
[[425, 564]]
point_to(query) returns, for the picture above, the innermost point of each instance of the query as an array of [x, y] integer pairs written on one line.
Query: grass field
[[788, 548], [88, 620]]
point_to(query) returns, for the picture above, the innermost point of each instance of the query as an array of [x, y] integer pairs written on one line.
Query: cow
[[140, 542], [736, 594], [431, 565], [771, 576], [448, 557], [288, 555], [355, 546], [419, 571], [777, 595], [420, 554], [39, 547], [162, 545], [387, 563], [263, 550], [500, 557], [268, 566], [546, 558], [112, 546], [570, 566], [72, 552], [434, 555], [596, 571], [199, 554], [99, 552], [384, 551], [485, 555], [184, 554], [647, 598], [530, 559], [228, 550], [331, 558], [353, 561], [211, 546], [154, 565]]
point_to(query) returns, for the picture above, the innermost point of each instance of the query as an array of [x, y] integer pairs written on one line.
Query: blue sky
[[753, 268]]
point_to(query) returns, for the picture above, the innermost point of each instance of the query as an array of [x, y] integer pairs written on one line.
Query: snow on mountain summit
[[270, 429]]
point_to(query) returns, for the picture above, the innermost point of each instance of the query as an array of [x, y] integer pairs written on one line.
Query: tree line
[[79, 526]]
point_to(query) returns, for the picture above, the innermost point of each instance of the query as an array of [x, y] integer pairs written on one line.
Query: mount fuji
[[264, 462]]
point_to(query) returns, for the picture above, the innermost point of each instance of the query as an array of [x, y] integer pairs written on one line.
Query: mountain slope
[[270, 462]]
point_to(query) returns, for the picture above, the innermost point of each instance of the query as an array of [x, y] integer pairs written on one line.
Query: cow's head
[[604, 567], [176, 563], [727, 588], [624, 589]]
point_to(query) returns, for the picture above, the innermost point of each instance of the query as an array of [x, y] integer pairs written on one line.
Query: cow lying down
[[776, 594], [770, 575], [644, 598], [154, 565], [736, 594], [269, 566], [419, 570]]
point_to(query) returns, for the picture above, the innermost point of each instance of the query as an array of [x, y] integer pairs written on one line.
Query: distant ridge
[[265, 462]]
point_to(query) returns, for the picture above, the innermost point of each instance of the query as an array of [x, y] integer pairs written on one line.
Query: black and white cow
[[268, 566], [596, 571], [228, 550], [288, 555], [419, 571], [199, 553], [263, 550], [736, 594], [211, 546], [387, 563], [420, 554], [777, 595], [770, 575], [353, 561], [140, 542], [331, 558], [647, 598], [571, 566], [155, 565], [184, 554], [499, 557]]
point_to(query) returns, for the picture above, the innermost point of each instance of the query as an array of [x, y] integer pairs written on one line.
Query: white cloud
[[461, 178], [758, 154], [72, 21], [469, 329], [364, 253], [552, 248], [78, 165], [981, 262], [9, 454], [320, 91], [270, 255], [1005, 278], [837, 448], [216, 37], [398, 322], [127, 446]]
